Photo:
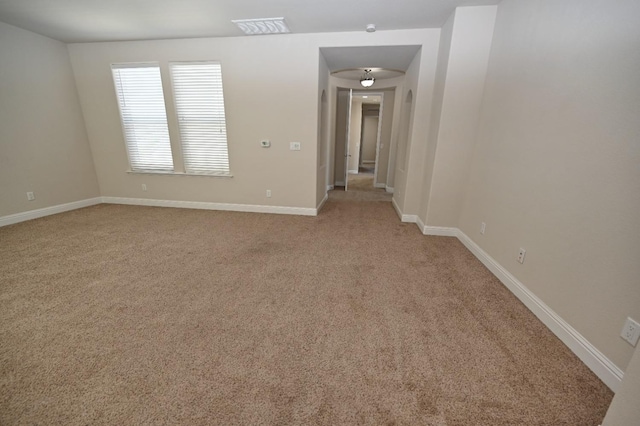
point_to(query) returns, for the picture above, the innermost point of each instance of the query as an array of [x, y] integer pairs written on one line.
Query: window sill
[[214, 175]]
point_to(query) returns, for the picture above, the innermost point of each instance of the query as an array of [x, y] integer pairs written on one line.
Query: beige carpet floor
[[140, 315], [362, 182]]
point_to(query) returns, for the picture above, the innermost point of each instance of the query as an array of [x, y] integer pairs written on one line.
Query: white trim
[[599, 364], [389, 189], [406, 218], [324, 200], [409, 218], [251, 208], [353, 172], [602, 366], [47, 211], [329, 187], [440, 230], [436, 230], [379, 185], [368, 161], [339, 183], [174, 173]]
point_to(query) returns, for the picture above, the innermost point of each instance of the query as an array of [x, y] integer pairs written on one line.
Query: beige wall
[[419, 80], [340, 135], [282, 105], [323, 130], [556, 163], [369, 138], [444, 48], [387, 110], [355, 133], [624, 409], [43, 142], [464, 54]]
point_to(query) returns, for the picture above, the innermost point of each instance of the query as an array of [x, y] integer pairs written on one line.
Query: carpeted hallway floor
[[140, 315]]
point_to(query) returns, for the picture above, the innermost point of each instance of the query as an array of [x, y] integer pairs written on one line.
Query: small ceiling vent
[[262, 26]]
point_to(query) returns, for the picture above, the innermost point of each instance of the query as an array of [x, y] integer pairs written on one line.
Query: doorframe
[[378, 137]]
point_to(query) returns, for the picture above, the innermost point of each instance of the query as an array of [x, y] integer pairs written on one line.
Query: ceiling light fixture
[[262, 26], [367, 79]]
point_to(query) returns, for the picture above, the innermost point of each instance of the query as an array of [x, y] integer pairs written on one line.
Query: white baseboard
[[353, 172], [379, 185], [340, 183], [602, 366], [436, 230], [388, 189], [330, 188], [440, 230], [407, 218], [47, 211], [251, 208], [321, 203]]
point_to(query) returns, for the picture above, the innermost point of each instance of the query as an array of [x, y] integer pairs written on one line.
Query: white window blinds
[[144, 119], [199, 101]]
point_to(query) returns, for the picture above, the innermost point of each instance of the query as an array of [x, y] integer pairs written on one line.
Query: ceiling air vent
[[262, 26]]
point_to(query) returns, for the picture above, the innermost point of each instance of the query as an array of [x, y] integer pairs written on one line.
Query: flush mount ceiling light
[[262, 26], [367, 79]]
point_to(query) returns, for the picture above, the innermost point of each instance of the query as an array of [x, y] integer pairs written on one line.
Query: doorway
[[363, 141]]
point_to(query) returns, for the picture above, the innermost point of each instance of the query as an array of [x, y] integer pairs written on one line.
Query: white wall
[[387, 109], [624, 409], [340, 136], [324, 100], [43, 142], [556, 163], [369, 138], [444, 48], [355, 133], [464, 54], [281, 105], [411, 148]]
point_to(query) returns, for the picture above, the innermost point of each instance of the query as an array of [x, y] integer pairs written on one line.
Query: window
[[144, 118], [199, 99]]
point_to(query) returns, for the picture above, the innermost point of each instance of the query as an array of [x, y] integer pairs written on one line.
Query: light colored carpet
[[140, 315], [362, 182], [340, 194]]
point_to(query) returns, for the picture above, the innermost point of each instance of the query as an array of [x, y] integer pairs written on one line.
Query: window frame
[[148, 64], [212, 173]]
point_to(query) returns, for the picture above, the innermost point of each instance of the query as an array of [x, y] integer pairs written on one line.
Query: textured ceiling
[[111, 20]]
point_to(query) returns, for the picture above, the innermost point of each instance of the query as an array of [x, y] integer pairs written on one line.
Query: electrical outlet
[[268, 193], [521, 254], [294, 146], [30, 196], [631, 331], [483, 226], [144, 186]]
